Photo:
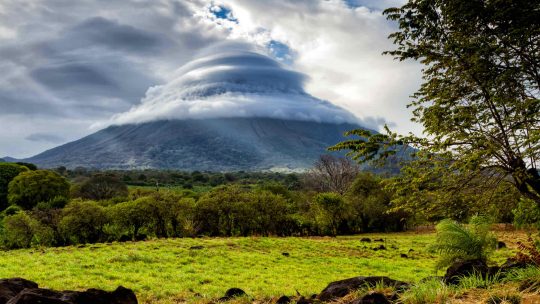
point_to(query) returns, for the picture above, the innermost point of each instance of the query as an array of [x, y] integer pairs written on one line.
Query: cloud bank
[[237, 81]]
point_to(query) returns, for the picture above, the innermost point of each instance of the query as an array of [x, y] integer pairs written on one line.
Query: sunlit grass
[[168, 271]]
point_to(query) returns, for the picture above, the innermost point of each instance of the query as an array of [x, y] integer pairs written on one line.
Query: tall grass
[[427, 292]]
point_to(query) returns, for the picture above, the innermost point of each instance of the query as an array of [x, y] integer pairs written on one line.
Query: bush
[[83, 222], [334, 210], [32, 187], [18, 232], [457, 242]]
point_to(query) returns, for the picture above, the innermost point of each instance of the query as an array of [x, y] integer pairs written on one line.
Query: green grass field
[[168, 271]]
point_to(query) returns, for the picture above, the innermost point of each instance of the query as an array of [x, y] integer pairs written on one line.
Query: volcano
[[235, 109]]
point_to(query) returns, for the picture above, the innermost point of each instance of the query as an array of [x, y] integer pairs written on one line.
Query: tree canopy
[[32, 187], [479, 103], [8, 172]]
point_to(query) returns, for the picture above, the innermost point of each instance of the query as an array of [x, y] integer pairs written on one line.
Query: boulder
[[232, 293], [21, 291], [339, 289], [465, 268], [38, 295], [9, 288], [365, 240], [372, 298], [283, 300]]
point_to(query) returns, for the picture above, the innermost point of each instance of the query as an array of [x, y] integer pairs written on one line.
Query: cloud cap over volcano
[[233, 80]]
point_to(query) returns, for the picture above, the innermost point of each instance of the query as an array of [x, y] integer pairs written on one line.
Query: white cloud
[[238, 81]]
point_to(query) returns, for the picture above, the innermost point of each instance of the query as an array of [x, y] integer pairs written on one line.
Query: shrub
[[32, 187], [83, 222], [334, 209], [457, 242], [18, 231]]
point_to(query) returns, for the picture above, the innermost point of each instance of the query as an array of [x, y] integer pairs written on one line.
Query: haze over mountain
[[233, 108]]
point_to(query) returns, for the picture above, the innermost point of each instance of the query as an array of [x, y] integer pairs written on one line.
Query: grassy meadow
[[171, 271]]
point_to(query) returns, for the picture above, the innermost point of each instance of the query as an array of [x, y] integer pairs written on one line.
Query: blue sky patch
[[222, 12], [281, 52]]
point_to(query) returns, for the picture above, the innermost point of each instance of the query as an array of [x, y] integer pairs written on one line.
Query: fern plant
[[456, 242]]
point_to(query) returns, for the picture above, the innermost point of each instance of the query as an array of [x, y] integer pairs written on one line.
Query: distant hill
[[220, 144]]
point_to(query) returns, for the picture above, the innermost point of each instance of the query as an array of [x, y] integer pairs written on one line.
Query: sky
[[70, 68]]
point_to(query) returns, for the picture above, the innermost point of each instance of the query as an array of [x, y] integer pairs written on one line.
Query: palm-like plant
[[456, 242]]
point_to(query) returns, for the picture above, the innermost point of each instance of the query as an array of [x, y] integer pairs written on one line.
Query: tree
[[332, 174], [334, 208], [479, 103], [102, 187], [8, 172], [32, 187]]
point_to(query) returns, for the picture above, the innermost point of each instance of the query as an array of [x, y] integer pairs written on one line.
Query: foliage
[[527, 214], [8, 172], [457, 242], [479, 104], [102, 187], [334, 210], [83, 222], [528, 252], [371, 204], [32, 187], [22, 231]]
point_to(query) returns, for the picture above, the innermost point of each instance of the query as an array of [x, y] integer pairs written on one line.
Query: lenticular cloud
[[233, 83]]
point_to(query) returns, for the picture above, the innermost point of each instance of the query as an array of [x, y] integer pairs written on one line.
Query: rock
[[379, 240], [121, 295], [380, 247], [465, 268], [20, 291], [365, 240], [38, 296], [403, 255], [232, 293], [411, 250], [339, 289], [283, 300], [285, 254], [501, 245], [9, 288], [372, 298], [196, 247]]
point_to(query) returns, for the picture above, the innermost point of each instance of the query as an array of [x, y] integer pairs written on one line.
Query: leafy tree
[[479, 103], [102, 187], [8, 172], [334, 208], [370, 203], [32, 187]]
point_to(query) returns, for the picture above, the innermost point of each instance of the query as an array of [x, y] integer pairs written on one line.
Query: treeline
[[187, 180], [48, 208]]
